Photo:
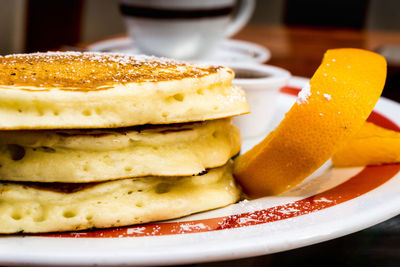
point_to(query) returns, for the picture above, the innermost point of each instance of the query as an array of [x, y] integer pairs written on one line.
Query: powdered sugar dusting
[[304, 94], [135, 230], [246, 220], [189, 227], [93, 70], [328, 97], [323, 199], [99, 57]]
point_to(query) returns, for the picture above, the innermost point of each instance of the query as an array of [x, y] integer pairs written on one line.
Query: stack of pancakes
[[93, 140]]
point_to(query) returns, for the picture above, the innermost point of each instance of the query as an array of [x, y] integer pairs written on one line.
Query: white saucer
[[227, 51]]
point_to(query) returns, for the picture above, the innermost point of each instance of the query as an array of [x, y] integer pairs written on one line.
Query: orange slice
[[328, 112], [372, 145]]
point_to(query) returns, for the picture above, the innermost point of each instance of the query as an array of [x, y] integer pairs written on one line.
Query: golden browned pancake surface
[[92, 71], [57, 90]]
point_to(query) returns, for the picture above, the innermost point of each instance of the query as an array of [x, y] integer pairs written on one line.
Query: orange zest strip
[[372, 145], [340, 97]]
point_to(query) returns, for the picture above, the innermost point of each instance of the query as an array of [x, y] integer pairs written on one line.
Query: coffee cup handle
[[243, 15]]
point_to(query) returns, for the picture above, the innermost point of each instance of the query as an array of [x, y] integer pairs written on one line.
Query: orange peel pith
[[372, 145], [328, 112]]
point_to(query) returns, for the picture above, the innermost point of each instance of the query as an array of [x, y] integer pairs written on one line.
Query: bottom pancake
[[30, 208]]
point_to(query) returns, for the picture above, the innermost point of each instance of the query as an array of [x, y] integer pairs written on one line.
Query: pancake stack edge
[[96, 140]]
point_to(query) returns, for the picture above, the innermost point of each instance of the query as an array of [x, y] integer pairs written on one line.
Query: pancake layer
[[32, 208], [99, 90], [98, 155]]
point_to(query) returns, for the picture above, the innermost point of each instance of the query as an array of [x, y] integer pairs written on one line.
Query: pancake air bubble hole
[[179, 97], [139, 204], [162, 188], [86, 112], [128, 169], [89, 217], [69, 214], [40, 219], [16, 216], [165, 114], [17, 152]]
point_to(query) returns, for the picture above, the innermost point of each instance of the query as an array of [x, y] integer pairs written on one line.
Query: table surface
[[300, 50]]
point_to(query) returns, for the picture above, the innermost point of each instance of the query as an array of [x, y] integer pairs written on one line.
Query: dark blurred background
[[42, 25], [36, 25]]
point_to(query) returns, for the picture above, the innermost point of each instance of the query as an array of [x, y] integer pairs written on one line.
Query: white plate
[[227, 51], [329, 204]]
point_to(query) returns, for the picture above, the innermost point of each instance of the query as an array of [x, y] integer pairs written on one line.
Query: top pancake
[[101, 90]]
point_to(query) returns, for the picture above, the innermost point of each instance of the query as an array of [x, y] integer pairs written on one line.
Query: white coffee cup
[[183, 29], [261, 84]]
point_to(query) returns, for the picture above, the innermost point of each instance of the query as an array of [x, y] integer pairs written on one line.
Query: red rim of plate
[[366, 180]]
